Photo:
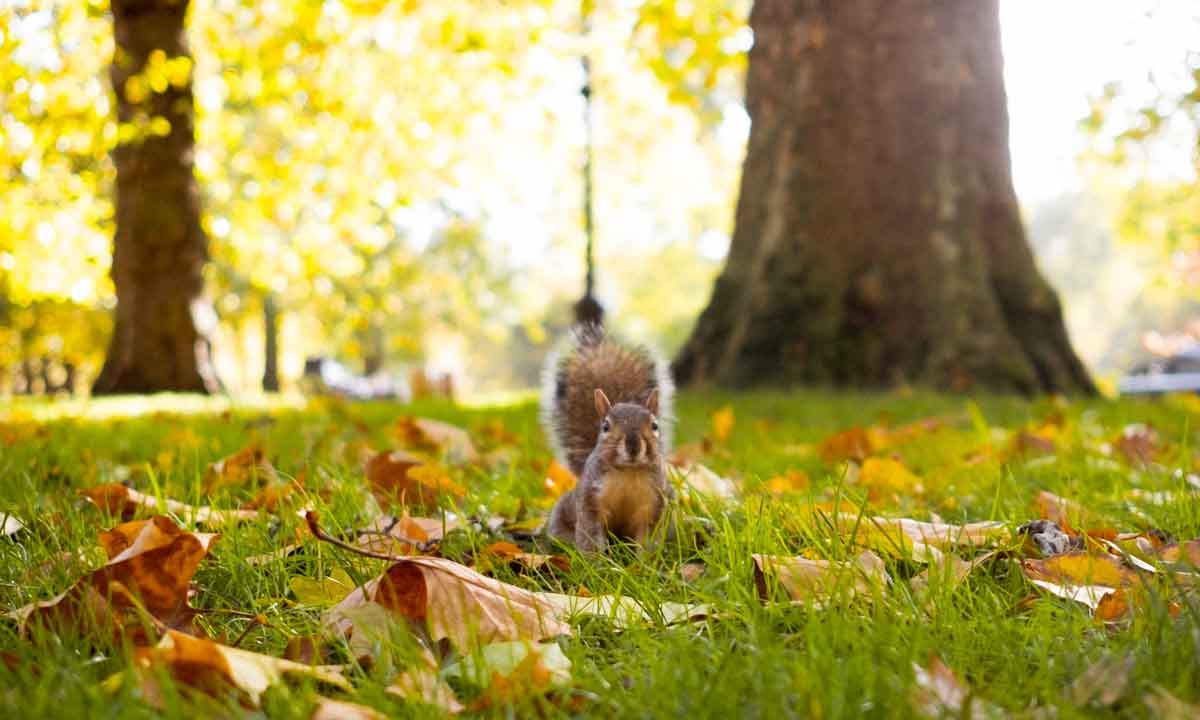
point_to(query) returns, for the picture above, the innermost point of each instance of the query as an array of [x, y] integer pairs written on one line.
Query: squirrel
[[606, 406]]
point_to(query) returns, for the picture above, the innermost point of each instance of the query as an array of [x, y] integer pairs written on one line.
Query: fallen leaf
[[1165, 706], [852, 444], [1112, 607], [456, 603], [398, 477], [326, 592], [1081, 568], [699, 479], [512, 671], [435, 438], [1090, 595], [422, 684], [690, 572], [10, 525], [405, 534], [1062, 511], [722, 423], [939, 693], [789, 482], [885, 475], [150, 571], [1138, 444], [124, 502], [953, 570], [807, 580], [559, 479], [271, 496], [216, 669], [327, 709], [511, 554], [246, 467], [1103, 683]]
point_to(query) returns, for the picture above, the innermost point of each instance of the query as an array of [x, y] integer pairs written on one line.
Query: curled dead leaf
[[454, 602], [124, 502], [808, 580], [246, 467], [150, 570], [559, 479], [215, 669]]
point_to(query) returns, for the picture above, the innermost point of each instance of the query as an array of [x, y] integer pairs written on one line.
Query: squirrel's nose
[[633, 444]]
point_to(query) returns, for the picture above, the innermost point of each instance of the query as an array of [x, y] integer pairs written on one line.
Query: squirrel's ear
[[602, 403], [652, 401]]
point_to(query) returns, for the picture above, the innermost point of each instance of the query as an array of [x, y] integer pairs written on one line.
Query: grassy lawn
[[1013, 646]]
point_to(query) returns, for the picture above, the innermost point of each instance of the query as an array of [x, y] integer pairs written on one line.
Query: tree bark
[[159, 248], [270, 381], [878, 240]]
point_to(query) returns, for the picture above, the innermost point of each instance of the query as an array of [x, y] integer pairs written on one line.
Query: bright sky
[[1057, 53]]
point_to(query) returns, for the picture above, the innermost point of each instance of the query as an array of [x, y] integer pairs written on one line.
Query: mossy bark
[[877, 239], [159, 248]]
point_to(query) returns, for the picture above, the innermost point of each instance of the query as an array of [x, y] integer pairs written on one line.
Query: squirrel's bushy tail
[[591, 359]]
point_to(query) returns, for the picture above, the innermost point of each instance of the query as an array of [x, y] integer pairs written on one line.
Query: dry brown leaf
[[436, 439], [697, 478], [327, 709], [246, 467], [511, 554], [150, 569], [398, 477], [1187, 552], [817, 580], [1138, 444], [216, 669], [456, 603], [722, 423], [690, 572], [1113, 607], [939, 693], [125, 502], [559, 479], [405, 534], [852, 444], [422, 684], [954, 569], [1103, 683]]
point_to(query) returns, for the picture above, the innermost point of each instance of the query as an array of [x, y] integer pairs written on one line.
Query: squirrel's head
[[629, 434]]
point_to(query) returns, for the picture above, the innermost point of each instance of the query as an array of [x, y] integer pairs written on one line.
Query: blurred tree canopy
[[402, 178]]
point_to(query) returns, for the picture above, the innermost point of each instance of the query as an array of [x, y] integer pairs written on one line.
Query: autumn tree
[[877, 237], [159, 248]]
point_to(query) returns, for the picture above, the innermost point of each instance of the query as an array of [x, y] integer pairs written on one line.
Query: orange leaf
[[151, 566], [852, 444], [789, 482], [398, 477], [722, 423], [1113, 606], [247, 466], [559, 479], [1081, 568]]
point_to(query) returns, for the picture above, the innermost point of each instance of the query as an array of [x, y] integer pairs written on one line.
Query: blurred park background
[[402, 186]]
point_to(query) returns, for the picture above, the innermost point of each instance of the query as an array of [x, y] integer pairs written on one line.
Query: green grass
[[753, 660]]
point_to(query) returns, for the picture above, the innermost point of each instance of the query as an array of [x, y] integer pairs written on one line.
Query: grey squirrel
[[606, 406]]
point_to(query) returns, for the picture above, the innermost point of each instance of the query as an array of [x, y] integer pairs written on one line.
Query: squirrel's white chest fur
[[629, 502]]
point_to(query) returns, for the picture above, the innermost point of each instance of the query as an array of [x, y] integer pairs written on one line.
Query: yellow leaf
[[722, 423]]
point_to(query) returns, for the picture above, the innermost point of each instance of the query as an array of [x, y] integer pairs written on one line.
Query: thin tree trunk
[[877, 237], [159, 249], [270, 381]]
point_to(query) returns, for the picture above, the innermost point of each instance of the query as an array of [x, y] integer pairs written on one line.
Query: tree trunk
[[270, 381], [159, 249], [877, 239]]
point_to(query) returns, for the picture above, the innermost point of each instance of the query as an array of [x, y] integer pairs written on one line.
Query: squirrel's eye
[[654, 426], [605, 426]]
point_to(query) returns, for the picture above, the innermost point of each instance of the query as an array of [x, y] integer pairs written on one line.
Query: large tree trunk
[[159, 249], [878, 240]]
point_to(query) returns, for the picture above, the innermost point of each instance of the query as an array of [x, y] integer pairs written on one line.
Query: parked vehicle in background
[[1176, 373]]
